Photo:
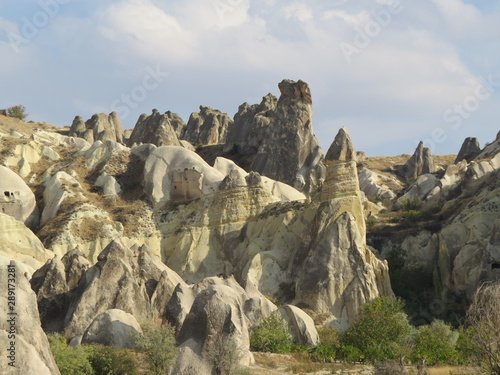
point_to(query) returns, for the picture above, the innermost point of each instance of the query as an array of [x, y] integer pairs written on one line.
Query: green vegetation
[[158, 344], [17, 111], [108, 361], [71, 361], [272, 335], [435, 343]]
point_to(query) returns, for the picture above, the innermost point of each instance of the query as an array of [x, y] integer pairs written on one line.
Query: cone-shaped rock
[[342, 148], [470, 148], [421, 162]]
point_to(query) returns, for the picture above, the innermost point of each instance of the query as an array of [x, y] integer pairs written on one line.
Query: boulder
[[370, 184], [421, 187], [301, 325], [158, 129], [58, 188], [114, 328], [26, 348], [17, 199], [279, 137], [470, 148], [421, 162], [207, 127], [215, 328]]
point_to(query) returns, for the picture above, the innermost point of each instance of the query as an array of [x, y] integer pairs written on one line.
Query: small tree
[[70, 361], [483, 318], [272, 335], [17, 111], [435, 343], [380, 324], [158, 344]]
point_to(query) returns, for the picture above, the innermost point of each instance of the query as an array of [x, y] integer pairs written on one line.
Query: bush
[[323, 353], [435, 343], [17, 111], [272, 335], [328, 335], [71, 361], [108, 361], [158, 344], [411, 204], [389, 368], [349, 354], [381, 325]]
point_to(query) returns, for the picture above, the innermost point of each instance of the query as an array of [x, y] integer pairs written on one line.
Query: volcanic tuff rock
[[280, 136], [207, 127], [100, 127], [301, 325], [421, 162], [16, 198], [470, 148], [113, 328], [32, 354], [158, 129]]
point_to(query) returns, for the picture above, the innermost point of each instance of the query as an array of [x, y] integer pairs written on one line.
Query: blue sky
[[393, 72]]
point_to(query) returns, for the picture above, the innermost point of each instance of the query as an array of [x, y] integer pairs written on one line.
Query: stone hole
[[495, 266]]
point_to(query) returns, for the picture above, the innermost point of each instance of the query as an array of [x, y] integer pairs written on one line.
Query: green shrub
[[349, 354], [323, 353], [17, 111], [381, 324], [328, 335], [108, 361], [70, 361], [411, 204], [158, 344], [272, 335], [435, 343]]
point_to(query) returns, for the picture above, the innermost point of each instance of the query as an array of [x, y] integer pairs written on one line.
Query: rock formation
[[207, 127], [158, 129], [301, 325], [26, 348], [113, 328], [17, 199], [421, 162], [280, 137], [470, 148], [100, 127]]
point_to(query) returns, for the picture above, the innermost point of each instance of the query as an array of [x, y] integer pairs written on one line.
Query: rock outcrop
[[158, 129], [113, 328], [17, 199], [301, 325], [280, 137], [470, 148], [421, 162], [26, 348], [207, 127], [100, 127]]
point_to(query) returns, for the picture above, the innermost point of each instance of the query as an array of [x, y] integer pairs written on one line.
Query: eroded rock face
[[158, 129], [32, 354], [470, 148], [340, 274], [280, 136], [100, 127], [301, 325], [207, 127], [17, 199], [421, 162], [215, 325], [113, 328]]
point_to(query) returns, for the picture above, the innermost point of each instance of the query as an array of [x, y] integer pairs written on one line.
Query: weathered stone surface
[[122, 279], [301, 325], [59, 187], [215, 325], [280, 136], [421, 162], [158, 129], [339, 274], [372, 185], [207, 127], [342, 148], [100, 127], [17, 199], [470, 148], [19, 243], [113, 328], [421, 187], [32, 354]]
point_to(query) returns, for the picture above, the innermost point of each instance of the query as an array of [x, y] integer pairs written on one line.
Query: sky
[[393, 72]]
